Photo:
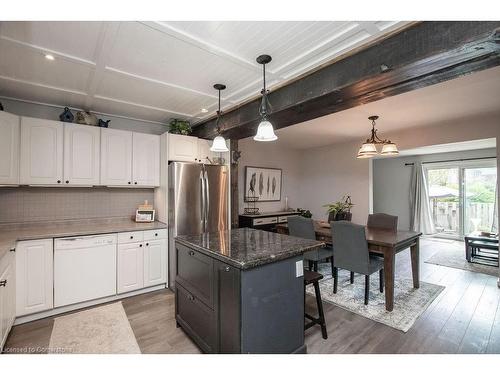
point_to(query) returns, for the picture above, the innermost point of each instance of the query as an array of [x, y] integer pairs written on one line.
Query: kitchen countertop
[[10, 233], [246, 248]]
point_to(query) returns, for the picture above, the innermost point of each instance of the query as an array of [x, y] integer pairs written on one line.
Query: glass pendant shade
[[367, 150], [389, 149], [219, 144], [265, 132]]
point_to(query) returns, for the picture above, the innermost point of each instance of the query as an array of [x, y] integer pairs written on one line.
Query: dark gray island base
[[242, 291]]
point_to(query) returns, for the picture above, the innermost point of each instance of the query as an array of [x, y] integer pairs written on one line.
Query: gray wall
[[29, 204], [391, 181], [52, 113]]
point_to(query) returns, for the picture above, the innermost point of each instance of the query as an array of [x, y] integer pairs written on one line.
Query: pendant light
[[369, 148], [265, 131], [219, 143]]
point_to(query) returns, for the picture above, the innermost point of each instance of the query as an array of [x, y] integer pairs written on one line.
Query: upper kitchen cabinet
[[41, 152], [81, 154], [182, 148], [146, 159], [116, 157], [9, 149]]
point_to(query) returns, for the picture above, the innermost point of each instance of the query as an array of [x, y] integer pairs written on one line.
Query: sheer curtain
[[494, 225], [420, 219]]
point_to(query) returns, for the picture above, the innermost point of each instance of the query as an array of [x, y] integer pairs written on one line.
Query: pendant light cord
[[218, 117]]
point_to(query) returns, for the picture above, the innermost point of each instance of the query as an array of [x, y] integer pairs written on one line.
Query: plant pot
[[347, 216]]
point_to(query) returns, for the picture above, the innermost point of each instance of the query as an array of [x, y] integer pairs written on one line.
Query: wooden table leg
[[389, 257], [415, 263]]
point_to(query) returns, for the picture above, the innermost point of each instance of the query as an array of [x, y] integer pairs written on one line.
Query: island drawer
[[196, 318], [264, 221], [195, 271]]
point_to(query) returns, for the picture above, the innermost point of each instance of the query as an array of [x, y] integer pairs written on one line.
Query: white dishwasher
[[84, 268]]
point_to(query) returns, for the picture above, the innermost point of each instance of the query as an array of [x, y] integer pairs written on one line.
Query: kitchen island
[[242, 291]]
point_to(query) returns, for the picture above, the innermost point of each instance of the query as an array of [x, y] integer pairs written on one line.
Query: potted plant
[[177, 126], [340, 210]]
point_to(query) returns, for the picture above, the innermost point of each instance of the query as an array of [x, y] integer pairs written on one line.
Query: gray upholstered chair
[[383, 221], [299, 226], [351, 253]]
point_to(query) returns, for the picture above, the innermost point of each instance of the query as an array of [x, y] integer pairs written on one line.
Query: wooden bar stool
[[311, 277]]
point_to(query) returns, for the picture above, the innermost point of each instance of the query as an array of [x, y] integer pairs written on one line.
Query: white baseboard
[[76, 306]]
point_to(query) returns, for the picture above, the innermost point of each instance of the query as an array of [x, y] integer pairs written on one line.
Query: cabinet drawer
[[129, 237], [195, 272], [265, 221], [196, 318], [284, 219], [159, 234]]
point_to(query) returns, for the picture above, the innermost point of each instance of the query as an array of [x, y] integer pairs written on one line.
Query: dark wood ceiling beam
[[425, 54]]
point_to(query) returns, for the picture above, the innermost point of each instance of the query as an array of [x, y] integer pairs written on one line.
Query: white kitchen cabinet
[[81, 154], [41, 152], [182, 148], [116, 157], [9, 148], [130, 267], [146, 159], [34, 276], [155, 262], [7, 296]]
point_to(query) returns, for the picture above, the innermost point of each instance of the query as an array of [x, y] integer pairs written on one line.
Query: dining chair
[[303, 227], [352, 254], [382, 221]]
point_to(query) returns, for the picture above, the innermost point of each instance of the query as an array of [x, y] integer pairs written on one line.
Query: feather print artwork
[[274, 185], [267, 185], [253, 180], [261, 183]]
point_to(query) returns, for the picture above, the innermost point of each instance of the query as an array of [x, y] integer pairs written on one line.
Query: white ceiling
[[155, 71], [469, 95]]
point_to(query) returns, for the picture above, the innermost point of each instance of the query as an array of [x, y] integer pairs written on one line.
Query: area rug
[[455, 258], [101, 330], [409, 303]]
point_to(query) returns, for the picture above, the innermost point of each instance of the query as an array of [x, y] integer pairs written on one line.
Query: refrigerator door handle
[[202, 206], [207, 201]]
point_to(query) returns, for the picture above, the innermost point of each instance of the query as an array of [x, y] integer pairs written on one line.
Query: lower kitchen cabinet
[[34, 276], [155, 262], [142, 264], [7, 296]]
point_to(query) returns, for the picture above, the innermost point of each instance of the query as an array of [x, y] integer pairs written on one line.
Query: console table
[[266, 220]]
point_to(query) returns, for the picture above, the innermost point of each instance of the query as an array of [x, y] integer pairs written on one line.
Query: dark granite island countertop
[[247, 248]]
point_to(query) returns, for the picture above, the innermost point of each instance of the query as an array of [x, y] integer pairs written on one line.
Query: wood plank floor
[[464, 318]]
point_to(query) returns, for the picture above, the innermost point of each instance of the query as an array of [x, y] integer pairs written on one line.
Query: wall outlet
[[299, 268]]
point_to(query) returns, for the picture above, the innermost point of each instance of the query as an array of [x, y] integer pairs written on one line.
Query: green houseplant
[[340, 210], [177, 126]]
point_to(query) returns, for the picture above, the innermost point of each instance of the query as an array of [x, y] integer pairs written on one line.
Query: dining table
[[381, 242]]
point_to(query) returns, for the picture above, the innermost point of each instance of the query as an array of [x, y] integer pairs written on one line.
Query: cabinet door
[[146, 159], [81, 154], [182, 148], [155, 262], [116, 157], [228, 286], [34, 276], [7, 299], [130, 267], [41, 152], [204, 152], [9, 149]]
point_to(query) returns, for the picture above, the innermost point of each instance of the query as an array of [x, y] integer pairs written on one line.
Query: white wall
[[52, 113], [391, 181], [272, 155]]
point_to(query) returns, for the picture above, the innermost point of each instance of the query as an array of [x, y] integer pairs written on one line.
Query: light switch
[[299, 268]]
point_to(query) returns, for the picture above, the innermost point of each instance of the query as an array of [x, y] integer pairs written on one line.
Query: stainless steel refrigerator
[[197, 202]]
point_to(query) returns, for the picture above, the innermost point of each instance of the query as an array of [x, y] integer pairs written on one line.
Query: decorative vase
[[66, 115], [86, 118], [339, 216]]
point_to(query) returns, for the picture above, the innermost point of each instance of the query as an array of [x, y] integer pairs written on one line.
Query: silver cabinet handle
[[191, 253], [190, 297], [227, 269], [13, 249], [3, 282]]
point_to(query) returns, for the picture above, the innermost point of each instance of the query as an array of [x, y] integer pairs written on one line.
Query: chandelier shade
[[369, 148]]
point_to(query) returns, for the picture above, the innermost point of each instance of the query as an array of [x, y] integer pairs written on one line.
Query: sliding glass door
[[462, 196]]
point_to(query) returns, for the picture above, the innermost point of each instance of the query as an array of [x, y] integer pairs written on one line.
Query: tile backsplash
[[28, 204]]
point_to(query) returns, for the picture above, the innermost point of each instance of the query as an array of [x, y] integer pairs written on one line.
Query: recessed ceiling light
[[49, 57], [204, 110]]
